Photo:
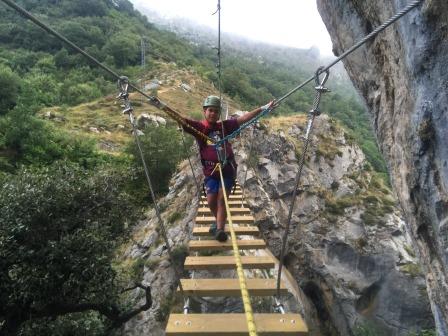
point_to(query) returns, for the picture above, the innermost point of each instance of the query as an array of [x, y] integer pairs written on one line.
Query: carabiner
[[123, 84], [318, 73]]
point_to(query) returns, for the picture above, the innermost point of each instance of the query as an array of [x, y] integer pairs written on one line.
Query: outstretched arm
[[176, 116], [252, 114]]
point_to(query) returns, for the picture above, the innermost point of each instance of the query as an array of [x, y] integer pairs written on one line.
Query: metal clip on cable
[[278, 306], [320, 89], [221, 153], [123, 86]]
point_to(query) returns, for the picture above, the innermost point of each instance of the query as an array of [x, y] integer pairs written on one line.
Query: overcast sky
[[294, 23]]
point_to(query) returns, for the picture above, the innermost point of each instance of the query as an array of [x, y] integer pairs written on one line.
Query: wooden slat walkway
[[230, 324]]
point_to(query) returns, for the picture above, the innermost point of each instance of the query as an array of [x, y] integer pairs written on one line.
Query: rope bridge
[[239, 225]]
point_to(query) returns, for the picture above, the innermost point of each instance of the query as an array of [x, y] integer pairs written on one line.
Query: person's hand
[[269, 105]]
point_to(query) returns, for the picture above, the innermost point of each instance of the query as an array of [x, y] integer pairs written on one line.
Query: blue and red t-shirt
[[207, 151]]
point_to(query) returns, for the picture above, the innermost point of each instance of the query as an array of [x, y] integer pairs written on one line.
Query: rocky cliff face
[[403, 76], [146, 255], [348, 249]]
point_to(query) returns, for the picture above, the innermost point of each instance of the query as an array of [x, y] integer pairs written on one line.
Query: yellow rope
[[239, 267]]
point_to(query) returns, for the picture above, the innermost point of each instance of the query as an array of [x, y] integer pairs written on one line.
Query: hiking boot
[[212, 229], [221, 236]]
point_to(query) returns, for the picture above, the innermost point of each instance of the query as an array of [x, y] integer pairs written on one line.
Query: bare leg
[[221, 213], [212, 200]]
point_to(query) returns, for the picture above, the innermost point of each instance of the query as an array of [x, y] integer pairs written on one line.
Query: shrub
[[30, 140], [179, 253], [81, 93], [174, 217], [163, 149], [368, 329], [412, 269], [59, 228], [124, 48], [10, 85]]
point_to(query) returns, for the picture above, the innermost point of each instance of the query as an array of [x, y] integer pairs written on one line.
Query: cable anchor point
[[278, 306], [123, 86]]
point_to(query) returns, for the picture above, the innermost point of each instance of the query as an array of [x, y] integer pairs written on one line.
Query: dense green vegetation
[[163, 149], [59, 229], [65, 207]]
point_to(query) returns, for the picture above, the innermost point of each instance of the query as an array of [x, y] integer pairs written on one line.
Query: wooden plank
[[235, 219], [230, 287], [232, 197], [205, 245], [235, 325], [232, 203], [239, 230], [235, 197], [237, 203], [227, 262], [233, 211]]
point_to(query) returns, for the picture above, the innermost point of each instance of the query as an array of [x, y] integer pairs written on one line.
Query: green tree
[[40, 89], [163, 149], [27, 139], [10, 86], [124, 48], [59, 228], [80, 93]]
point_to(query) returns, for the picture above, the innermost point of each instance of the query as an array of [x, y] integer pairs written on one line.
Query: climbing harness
[[123, 85], [239, 266], [313, 113]]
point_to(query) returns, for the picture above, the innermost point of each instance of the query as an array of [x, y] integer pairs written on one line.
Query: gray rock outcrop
[[348, 248], [403, 76]]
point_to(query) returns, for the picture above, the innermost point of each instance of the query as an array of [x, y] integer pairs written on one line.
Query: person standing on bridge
[[216, 129]]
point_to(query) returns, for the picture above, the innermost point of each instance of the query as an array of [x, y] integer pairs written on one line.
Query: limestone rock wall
[[403, 76], [348, 247]]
